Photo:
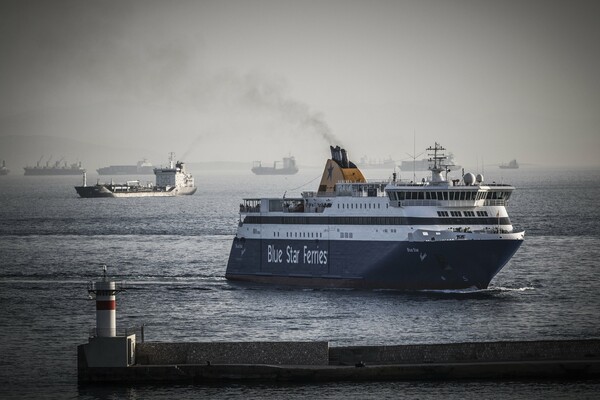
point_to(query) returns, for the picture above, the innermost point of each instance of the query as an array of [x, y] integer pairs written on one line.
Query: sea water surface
[[171, 254]]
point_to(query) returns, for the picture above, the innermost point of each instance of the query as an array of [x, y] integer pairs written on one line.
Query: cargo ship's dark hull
[[274, 171], [447, 265]]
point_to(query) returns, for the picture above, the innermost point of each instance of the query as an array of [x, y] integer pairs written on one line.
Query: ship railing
[[440, 203], [249, 209]]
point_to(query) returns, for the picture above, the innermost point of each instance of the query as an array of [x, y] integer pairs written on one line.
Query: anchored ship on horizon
[[173, 180], [143, 167], [58, 168], [353, 233], [288, 167]]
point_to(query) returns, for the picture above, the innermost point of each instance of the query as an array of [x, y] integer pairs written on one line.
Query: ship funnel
[[340, 156], [336, 154], [344, 158]]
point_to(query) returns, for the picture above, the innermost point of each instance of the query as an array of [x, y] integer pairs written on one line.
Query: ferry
[[173, 180], [437, 234]]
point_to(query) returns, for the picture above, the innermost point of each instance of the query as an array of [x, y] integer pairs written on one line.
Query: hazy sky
[[256, 80]]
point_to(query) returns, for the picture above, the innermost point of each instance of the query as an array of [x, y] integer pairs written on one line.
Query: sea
[[171, 253]]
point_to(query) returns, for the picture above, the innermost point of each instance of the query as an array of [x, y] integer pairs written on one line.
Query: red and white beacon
[[106, 306]]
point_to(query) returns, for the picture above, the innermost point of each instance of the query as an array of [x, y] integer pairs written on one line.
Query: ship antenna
[[437, 167], [414, 156]]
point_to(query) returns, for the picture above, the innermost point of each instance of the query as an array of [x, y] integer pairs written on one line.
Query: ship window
[[462, 195], [442, 213], [456, 213]]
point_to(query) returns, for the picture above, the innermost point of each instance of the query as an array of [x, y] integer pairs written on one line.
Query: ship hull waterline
[[397, 265], [102, 191]]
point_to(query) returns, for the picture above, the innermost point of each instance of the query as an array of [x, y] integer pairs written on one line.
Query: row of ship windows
[[300, 234], [457, 195], [441, 218], [316, 235], [460, 214], [360, 205]]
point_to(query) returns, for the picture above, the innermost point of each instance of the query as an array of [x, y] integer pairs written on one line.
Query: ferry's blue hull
[[457, 264]]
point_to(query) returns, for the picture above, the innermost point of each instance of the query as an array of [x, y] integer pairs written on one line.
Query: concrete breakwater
[[317, 361], [109, 357]]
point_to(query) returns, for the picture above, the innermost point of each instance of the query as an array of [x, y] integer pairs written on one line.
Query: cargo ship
[[513, 164], [366, 163], [425, 164], [438, 234], [143, 167], [173, 180], [288, 167], [56, 169]]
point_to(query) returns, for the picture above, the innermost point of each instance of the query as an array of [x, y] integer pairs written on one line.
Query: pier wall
[[317, 362], [467, 352], [271, 353]]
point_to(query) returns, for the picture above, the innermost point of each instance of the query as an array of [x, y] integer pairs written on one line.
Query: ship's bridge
[[426, 194]]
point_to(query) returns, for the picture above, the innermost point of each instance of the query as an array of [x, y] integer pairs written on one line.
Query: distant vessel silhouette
[[3, 169], [425, 164], [288, 168], [143, 167], [365, 163], [56, 169], [511, 165]]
